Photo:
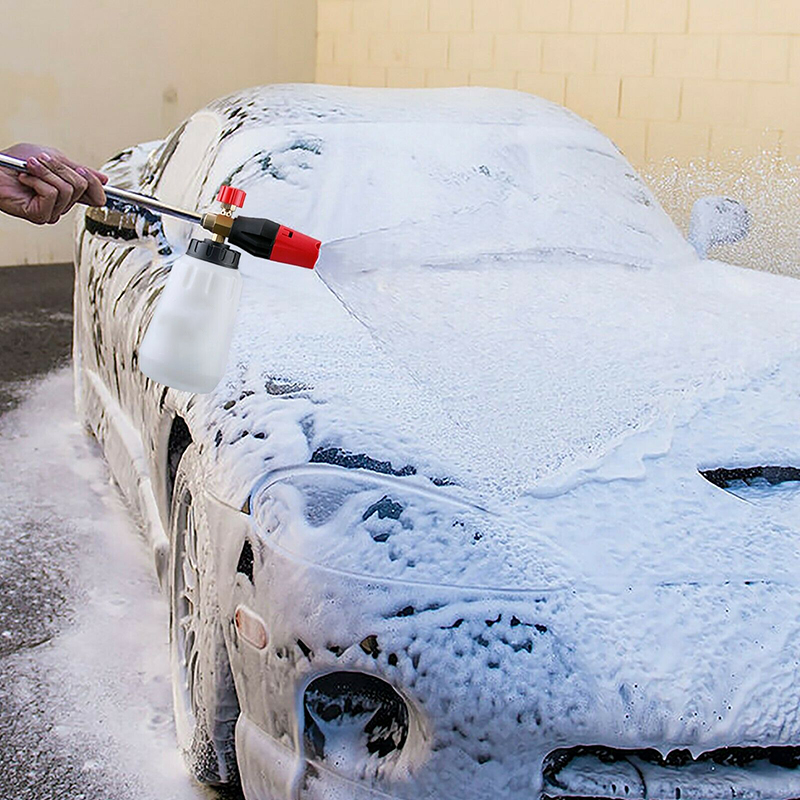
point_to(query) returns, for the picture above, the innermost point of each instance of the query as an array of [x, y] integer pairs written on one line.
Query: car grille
[[601, 773]]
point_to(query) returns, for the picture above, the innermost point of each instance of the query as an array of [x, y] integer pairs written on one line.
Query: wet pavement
[[85, 694]]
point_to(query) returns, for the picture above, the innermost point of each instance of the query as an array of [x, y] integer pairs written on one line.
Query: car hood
[[547, 365]]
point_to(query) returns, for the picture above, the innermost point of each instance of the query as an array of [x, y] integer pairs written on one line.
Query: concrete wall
[[677, 78], [93, 76]]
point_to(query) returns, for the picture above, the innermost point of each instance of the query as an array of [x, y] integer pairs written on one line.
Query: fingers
[[52, 185], [73, 183], [94, 194], [87, 182], [102, 177], [39, 209], [49, 170]]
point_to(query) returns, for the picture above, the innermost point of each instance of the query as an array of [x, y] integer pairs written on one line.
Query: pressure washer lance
[[186, 345]]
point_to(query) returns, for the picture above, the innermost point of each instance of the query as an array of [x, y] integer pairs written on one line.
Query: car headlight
[[384, 527]]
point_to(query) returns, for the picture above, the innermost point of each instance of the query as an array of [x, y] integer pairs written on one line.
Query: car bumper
[[272, 771]]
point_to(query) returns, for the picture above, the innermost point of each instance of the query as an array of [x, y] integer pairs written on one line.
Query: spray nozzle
[[260, 237], [220, 224]]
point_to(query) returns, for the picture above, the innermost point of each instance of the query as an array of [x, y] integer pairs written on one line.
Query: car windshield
[[558, 181]]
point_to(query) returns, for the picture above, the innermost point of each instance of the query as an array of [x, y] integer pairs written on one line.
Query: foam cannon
[[186, 345]]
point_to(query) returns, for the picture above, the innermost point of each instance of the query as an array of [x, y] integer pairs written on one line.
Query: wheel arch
[[178, 440], [172, 437]]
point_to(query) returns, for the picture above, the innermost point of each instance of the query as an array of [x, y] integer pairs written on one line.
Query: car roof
[[287, 103]]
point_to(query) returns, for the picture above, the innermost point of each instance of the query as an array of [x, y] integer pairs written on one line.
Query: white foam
[[104, 676]]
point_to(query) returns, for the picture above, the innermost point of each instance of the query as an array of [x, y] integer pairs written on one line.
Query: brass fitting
[[219, 224]]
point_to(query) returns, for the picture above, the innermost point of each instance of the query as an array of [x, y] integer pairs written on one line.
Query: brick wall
[[663, 78]]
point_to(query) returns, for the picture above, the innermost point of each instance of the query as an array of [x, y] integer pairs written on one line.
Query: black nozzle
[[254, 235]]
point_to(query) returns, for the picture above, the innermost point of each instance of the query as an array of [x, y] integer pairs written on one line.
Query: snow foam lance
[[186, 345]]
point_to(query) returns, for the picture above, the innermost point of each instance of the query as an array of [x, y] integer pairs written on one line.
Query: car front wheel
[[206, 706]]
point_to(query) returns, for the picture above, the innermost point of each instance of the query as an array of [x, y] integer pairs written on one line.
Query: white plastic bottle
[[186, 345]]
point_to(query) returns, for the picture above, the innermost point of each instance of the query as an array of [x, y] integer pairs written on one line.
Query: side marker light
[[251, 627]]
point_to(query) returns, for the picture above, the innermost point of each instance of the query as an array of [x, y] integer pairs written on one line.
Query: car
[[499, 501]]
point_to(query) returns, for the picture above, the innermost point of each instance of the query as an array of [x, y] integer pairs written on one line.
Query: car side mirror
[[715, 221], [128, 223]]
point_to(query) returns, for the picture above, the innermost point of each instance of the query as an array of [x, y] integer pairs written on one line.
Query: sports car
[[501, 501]]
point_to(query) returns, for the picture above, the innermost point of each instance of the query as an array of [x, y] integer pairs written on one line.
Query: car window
[[159, 158], [183, 174], [180, 167]]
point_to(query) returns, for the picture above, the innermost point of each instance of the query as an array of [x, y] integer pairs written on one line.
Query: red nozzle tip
[[231, 196], [293, 247]]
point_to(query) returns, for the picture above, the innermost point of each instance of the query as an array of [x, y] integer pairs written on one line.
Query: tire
[[204, 696]]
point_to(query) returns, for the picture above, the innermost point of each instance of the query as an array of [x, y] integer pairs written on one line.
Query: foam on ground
[[86, 697]]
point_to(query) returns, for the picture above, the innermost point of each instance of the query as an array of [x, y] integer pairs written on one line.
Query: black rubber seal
[[214, 252]]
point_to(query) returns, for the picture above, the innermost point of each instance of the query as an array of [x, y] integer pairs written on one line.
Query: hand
[[54, 185]]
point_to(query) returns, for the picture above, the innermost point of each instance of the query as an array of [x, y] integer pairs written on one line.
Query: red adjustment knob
[[231, 196]]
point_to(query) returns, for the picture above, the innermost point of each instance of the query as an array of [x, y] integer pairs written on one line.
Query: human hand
[[54, 185]]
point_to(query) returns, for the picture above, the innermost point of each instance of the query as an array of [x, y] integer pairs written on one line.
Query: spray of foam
[[767, 183]]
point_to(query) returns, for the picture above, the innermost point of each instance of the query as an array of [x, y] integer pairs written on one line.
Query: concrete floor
[[35, 338]]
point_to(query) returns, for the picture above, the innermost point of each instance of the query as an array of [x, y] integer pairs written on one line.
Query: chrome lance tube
[[122, 195]]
